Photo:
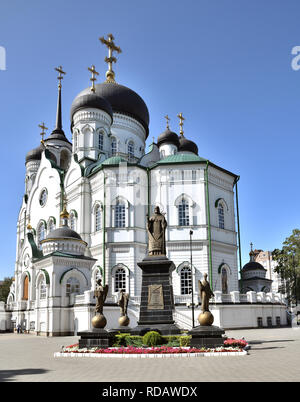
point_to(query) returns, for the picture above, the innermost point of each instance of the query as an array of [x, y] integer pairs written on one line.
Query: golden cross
[[60, 77], [93, 78], [110, 75], [43, 127], [168, 119], [181, 118]]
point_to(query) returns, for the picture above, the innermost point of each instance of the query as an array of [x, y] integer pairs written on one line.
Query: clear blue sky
[[226, 65]]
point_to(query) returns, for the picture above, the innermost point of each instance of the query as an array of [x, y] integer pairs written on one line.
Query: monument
[[206, 334], [157, 300], [98, 336]]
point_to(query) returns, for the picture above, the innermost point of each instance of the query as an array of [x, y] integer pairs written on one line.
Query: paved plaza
[[274, 356]]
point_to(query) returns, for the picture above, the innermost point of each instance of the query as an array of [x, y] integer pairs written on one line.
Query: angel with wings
[[100, 294], [205, 292], [123, 302]]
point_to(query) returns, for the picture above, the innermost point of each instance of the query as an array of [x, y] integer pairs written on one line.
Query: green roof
[[114, 160], [181, 158]]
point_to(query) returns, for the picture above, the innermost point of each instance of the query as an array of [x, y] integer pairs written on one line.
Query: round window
[[43, 197]]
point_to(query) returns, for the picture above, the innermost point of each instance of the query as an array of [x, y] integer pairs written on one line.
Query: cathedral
[[84, 211]]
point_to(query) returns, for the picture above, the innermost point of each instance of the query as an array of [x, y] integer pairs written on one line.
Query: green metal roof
[[181, 158]]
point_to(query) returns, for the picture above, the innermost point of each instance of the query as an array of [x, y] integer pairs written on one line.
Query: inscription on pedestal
[[155, 297]]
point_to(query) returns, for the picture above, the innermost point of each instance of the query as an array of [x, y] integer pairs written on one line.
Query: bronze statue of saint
[[206, 293], [123, 302], [156, 227], [100, 294]]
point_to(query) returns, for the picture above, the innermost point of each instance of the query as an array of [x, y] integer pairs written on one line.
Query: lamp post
[[192, 289]]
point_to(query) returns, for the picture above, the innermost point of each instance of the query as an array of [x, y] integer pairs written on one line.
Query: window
[[25, 288], [224, 281], [186, 281], [41, 233], [100, 141], [43, 197], [72, 286], [97, 218], [130, 150], [72, 221], [51, 225], [221, 216], [42, 289], [120, 279], [119, 215], [183, 213], [113, 146]]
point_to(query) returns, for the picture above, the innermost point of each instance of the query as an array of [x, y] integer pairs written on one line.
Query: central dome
[[122, 100]]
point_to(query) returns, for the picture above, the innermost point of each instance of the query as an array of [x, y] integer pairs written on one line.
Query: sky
[[225, 64]]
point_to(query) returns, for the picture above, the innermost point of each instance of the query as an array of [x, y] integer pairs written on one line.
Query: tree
[[4, 288], [288, 265]]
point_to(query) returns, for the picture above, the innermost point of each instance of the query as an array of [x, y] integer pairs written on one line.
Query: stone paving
[[274, 356]]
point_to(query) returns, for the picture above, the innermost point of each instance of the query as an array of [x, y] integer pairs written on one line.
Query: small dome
[[88, 99], [35, 154], [122, 100], [168, 136], [187, 145], [253, 265], [63, 232]]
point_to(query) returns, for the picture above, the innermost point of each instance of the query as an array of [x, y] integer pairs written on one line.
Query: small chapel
[[83, 218]]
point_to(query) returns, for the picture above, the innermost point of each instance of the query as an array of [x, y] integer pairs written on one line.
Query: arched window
[[120, 214], [97, 218], [183, 213], [221, 216], [41, 233], [120, 279], [51, 225], [224, 280], [25, 288], [72, 220], [113, 146], [42, 289], [72, 286], [186, 281], [100, 141], [130, 149]]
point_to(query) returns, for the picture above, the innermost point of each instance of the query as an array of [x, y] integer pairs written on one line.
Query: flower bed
[[130, 350]]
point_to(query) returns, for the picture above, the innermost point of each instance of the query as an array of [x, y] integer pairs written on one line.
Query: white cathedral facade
[[83, 216]]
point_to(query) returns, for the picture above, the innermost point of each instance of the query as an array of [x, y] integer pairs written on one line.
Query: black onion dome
[[168, 136], [63, 232], [35, 154], [253, 265], [123, 100], [89, 99], [187, 145]]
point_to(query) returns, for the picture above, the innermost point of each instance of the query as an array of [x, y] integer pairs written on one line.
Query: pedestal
[[157, 300], [208, 336], [97, 337]]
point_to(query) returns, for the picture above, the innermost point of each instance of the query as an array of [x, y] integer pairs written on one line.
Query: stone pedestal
[[97, 337], [208, 336], [157, 300]]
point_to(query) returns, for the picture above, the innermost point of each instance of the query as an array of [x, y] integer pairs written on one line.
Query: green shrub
[[120, 339], [185, 340], [134, 340], [152, 338]]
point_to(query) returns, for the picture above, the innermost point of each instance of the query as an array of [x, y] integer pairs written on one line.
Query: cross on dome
[[167, 119], [93, 78], [43, 133], [109, 43], [181, 118]]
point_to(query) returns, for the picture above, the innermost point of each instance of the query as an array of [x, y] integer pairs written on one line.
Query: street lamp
[[192, 289]]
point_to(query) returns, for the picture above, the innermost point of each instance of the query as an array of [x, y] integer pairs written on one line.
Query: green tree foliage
[[4, 289], [288, 265]]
